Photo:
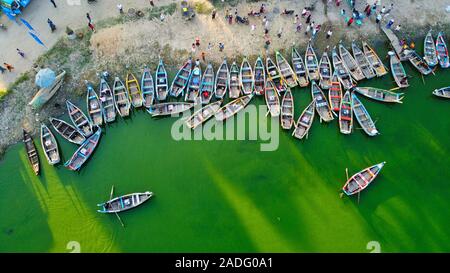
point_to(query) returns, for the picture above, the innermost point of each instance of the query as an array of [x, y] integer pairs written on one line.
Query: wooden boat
[[350, 64], [181, 79], [429, 48], [207, 85], [398, 71], [124, 202], [311, 63], [222, 80], [274, 75], [442, 92], [94, 106], [260, 76], [322, 106], [79, 119], [147, 88], [335, 93], [272, 99], [246, 77], [288, 75], [122, 102], [325, 71], [67, 131], [419, 63], [346, 114], [374, 61], [232, 108], [161, 82], [363, 117], [83, 152], [305, 121], [32, 154], [107, 99], [299, 68], [341, 71], [134, 91], [49, 145], [395, 43], [380, 94], [45, 94], [234, 85], [193, 84], [202, 115], [442, 51], [287, 110], [362, 61], [169, 108], [362, 179]]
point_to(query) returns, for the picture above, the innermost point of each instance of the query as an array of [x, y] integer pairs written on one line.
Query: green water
[[227, 196]]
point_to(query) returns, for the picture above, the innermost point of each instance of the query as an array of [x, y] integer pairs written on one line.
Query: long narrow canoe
[[121, 98], [322, 106], [325, 71], [202, 115], [232, 108], [398, 71], [181, 79], [350, 64], [299, 68], [161, 82], [246, 77], [362, 179], [346, 114], [272, 99], [193, 84], [32, 154], [107, 99], [49, 145], [147, 88], [222, 79], [362, 61], [234, 84], [274, 75], [363, 117], [335, 93], [94, 106], [380, 94], [442, 51], [288, 75], [287, 110], [429, 48], [375, 61], [169, 108], [134, 91], [207, 85], [341, 71], [124, 202], [442, 92], [305, 121], [419, 63], [67, 131], [79, 119], [83, 152], [260, 76], [311, 63]]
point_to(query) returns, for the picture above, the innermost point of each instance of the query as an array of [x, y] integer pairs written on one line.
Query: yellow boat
[[134, 91]]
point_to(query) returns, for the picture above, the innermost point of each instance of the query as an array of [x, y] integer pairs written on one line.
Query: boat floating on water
[[442, 51], [202, 115], [362, 61], [362, 179], [121, 99], [374, 60], [311, 63], [287, 110], [49, 145], [299, 68], [234, 86], [67, 131], [419, 63], [304, 122], [134, 91], [124, 202], [380, 94], [335, 93], [169, 108], [351, 64], [442, 92], [341, 71], [83, 152], [260, 76], [222, 80], [161, 82], [107, 99], [79, 119], [429, 48], [398, 72], [94, 106], [232, 108], [147, 88], [272, 99], [286, 72], [273, 74], [325, 71], [181, 79], [346, 114], [32, 154], [363, 117], [207, 85], [246, 77], [193, 86], [322, 106]]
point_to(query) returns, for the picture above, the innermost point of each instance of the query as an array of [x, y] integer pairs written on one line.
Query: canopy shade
[[45, 78]]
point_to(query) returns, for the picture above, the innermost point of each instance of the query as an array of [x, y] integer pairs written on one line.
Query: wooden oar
[[395, 88], [346, 174], [110, 197]]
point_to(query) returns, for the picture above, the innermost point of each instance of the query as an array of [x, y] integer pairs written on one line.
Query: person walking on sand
[[54, 4], [308, 19], [398, 28], [120, 8], [51, 24], [20, 52], [88, 16], [9, 67], [91, 26], [264, 20], [213, 14], [296, 19], [378, 18], [162, 17], [2, 69], [350, 21], [308, 28], [151, 3], [203, 55], [299, 27], [197, 42], [329, 33], [221, 47], [209, 46], [280, 31]]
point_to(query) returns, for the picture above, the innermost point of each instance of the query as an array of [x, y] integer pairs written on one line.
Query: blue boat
[[161, 84], [181, 79], [363, 117], [147, 88], [207, 86], [83, 153], [194, 84]]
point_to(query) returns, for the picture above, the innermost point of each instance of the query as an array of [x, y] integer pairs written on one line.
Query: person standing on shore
[[350, 21], [2, 69], [151, 3], [54, 4], [390, 23], [162, 17], [9, 67], [88, 16], [230, 19], [120, 8], [221, 47], [91, 26], [308, 28], [197, 42], [299, 27], [203, 55], [213, 14], [378, 18], [193, 48], [280, 31], [398, 28], [296, 19], [253, 27], [51, 24], [308, 19], [20, 52], [329, 33]]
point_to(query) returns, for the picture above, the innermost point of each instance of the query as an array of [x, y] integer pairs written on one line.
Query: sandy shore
[[129, 45]]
